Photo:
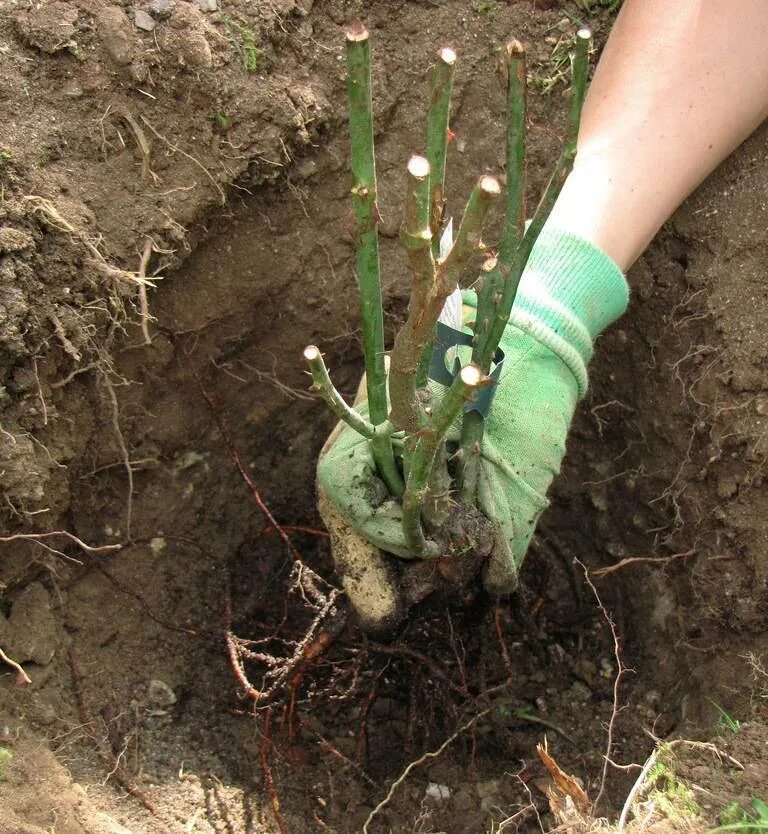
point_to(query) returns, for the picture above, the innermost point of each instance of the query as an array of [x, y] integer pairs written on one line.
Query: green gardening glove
[[570, 291]]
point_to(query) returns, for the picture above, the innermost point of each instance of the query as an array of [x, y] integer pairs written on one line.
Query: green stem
[[497, 297], [425, 304], [366, 215], [321, 382], [430, 441], [441, 87], [514, 219], [469, 236], [490, 290], [579, 71], [437, 137]]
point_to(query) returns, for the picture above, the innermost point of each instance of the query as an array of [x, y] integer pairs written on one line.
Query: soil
[[215, 131]]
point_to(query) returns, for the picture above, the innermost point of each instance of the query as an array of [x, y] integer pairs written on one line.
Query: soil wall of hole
[[666, 458]]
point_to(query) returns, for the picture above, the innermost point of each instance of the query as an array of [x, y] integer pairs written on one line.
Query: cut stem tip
[[311, 353], [584, 34], [471, 375], [490, 185], [418, 167], [447, 55], [357, 33], [514, 48]]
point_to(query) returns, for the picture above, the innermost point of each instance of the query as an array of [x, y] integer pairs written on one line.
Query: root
[[143, 302], [287, 670], [634, 560], [235, 456], [620, 671], [144, 146], [269, 780], [50, 213], [432, 754], [123, 450], [22, 678], [177, 149], [38, 538], [116, 770]]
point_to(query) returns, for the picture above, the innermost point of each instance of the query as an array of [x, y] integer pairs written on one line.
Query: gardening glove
[[570, 291]]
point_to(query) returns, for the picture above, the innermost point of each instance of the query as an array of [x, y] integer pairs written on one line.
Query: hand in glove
[[570, 291]]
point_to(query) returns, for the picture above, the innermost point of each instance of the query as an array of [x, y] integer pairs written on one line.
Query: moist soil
[[162, 425]]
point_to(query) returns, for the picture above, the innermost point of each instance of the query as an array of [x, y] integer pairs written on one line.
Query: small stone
[[586, 670], [143, 21], [599, 500], [161, 9], [160, 693], [306, 168], [14, 240], [488, 789], [437, 794], [727, 486], [72, 90], [116, 35], [208, 5], [30, 632], [580, 692]]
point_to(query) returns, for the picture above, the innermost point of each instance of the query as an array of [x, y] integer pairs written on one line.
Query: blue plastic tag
[[445, 339]]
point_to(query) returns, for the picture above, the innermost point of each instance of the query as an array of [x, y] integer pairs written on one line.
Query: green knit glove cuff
[[569, 293]]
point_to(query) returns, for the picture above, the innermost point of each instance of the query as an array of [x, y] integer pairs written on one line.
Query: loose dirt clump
[[174, 228]]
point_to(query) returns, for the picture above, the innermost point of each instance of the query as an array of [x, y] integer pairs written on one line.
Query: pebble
[[72, 90], [116, 34], [488, 788], [144, 21], [437, 794], [306, 168], [161, 9], [160, 693], [580, 692], [208, 5], [586, 670], [30, 633]]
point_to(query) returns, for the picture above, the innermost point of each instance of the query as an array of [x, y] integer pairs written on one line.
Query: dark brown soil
[[244, 193]]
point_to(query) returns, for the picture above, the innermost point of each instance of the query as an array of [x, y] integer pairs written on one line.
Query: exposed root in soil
[[113, 762], [22, 678], [432, 754]]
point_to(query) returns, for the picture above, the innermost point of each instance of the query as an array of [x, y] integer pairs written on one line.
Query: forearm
[[678, 87]]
